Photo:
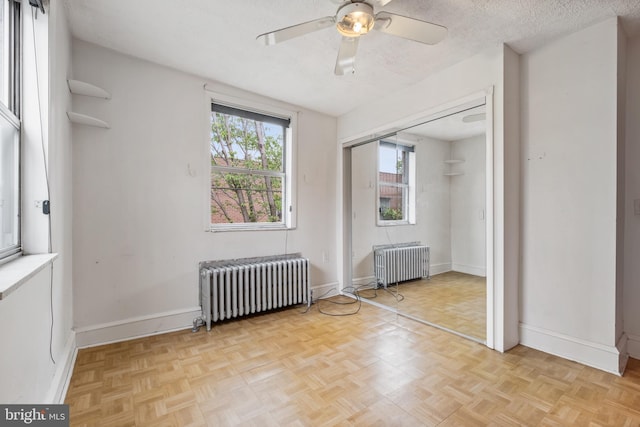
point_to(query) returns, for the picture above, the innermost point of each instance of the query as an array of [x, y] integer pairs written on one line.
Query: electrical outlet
[[325, 258]]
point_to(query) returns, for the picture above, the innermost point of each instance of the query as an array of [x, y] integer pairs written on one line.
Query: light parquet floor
[[453, 300], [374, 368]]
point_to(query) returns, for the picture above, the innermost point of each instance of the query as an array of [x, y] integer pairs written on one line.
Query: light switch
[[636, 207]]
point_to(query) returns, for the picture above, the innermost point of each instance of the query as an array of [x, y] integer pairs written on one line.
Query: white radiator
[[234, 288], [400, 262]]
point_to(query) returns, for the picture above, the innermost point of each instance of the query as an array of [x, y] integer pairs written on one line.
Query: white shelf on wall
[[450, 163], [87, 89], [83, 119], [78, 87]]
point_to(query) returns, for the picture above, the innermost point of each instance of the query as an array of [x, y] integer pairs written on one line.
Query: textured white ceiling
[[216, 39], [452, 127]]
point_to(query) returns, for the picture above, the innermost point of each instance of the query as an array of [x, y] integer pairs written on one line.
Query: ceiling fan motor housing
[[355, 19]]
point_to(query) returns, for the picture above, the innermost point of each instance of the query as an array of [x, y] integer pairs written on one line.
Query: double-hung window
[[396, 183], [250, 155], [9, 130]]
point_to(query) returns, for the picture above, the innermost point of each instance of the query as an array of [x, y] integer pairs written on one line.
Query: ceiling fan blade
[[409, 28], [347, 56], [287, 33]]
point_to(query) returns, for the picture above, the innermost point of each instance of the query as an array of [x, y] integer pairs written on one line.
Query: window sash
[[253, 194], [11, 70], [262, 113], [405, 185], [404, 202], [10, 129], [9, 183]]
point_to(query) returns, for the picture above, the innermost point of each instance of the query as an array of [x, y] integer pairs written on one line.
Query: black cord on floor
[[349, 290]]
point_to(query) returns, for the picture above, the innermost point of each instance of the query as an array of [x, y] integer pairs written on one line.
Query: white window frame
[[10, 112], [409, 188], [289, 156]]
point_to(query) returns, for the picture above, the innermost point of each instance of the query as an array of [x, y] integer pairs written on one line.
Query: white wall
[[468, 213], [60, 169], [27, 372], [140, 197], [632, 221], [432, 225], [26, 369], [569, 128], [490, 69]]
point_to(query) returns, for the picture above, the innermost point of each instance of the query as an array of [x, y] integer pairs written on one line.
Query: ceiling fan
[[355, 18]]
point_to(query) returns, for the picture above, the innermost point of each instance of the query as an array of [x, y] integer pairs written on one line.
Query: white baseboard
[[439, 268], [633, 346], [64, 369], [136, 327], [606, 358], [470, 269], [325, 291], [361, 281]]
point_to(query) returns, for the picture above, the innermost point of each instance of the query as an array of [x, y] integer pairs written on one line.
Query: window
[[250, 154], [396, 184], [9, 130]]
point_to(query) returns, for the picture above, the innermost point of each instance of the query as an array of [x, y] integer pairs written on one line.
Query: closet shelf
[[83, 119], [78, 87], [450, 164]]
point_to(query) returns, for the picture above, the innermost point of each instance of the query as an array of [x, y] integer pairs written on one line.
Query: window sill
[[393, 223], [244, 227], [15, 273]]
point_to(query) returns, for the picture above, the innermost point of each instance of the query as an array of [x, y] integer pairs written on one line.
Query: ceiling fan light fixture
[[355, 19]]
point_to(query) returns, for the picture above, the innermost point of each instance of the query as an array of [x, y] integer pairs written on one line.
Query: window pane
[[241, 142], [245, 143], [391, 162], [245, 198], [9, 185], [393, 181], [391, 202]]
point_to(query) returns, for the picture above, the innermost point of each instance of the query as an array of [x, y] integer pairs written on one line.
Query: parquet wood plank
[[372, 368]]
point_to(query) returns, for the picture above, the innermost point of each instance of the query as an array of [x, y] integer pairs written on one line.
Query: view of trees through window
[[247, 167]]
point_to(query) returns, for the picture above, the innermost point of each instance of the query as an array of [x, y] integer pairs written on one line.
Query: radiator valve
[[197, 322]]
